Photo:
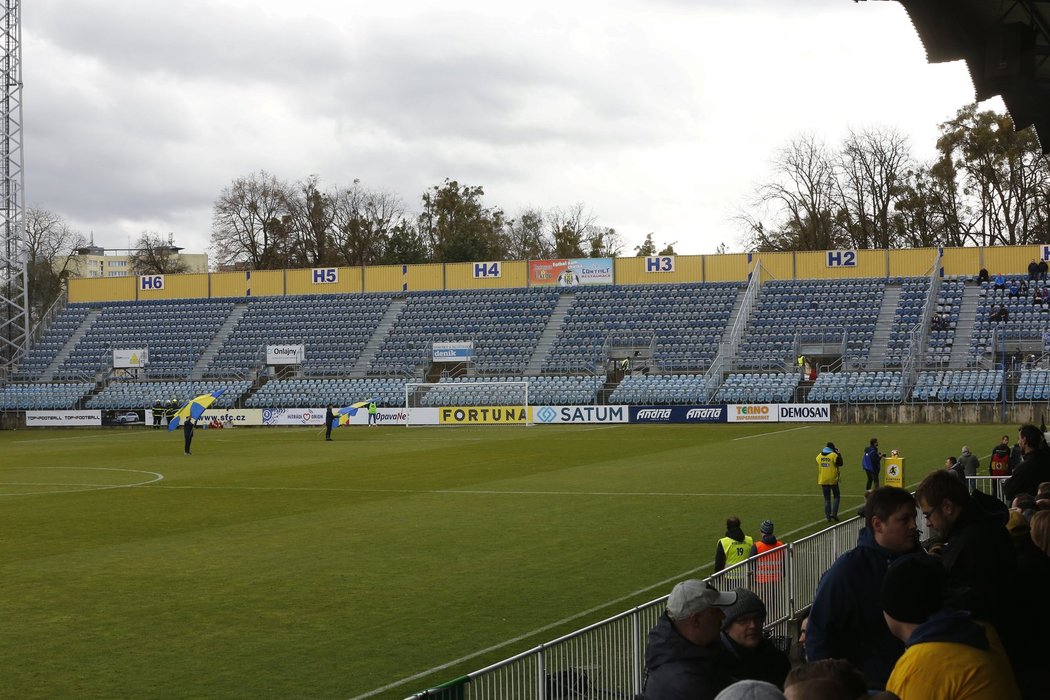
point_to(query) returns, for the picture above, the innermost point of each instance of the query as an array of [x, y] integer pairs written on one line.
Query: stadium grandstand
[[891, 328]]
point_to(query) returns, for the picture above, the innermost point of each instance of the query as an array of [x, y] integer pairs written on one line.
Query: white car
[[129, 417]]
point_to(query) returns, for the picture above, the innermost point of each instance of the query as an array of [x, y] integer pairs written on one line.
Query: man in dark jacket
[[755, 657], [871, 462], [1034, 467], [732, 549], [685, 659], [846, 620]]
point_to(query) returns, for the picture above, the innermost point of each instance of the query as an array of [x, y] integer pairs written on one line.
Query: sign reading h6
[[151, 283], [659, 263], [325, 275], [484, 270], [842, 258]]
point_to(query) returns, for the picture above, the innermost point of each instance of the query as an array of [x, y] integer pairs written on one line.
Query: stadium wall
[[735, 267]]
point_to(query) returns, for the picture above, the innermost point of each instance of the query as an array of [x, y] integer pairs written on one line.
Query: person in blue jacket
[[872, 463], [846, 620]]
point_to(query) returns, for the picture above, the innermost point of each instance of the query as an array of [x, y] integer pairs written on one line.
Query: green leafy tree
[[458, 227]]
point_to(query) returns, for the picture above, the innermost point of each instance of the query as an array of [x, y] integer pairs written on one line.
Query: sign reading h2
[[841, 258], [659, 263], [151, 283], [484, 270], [325, 275]]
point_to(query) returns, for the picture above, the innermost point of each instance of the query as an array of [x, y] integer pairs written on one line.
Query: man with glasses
[[756, 657], [846, 620]]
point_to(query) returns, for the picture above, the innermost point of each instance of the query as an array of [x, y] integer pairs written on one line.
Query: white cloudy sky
[[659, 115]]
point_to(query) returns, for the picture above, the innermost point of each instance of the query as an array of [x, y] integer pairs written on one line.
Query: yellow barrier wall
[[426, 277], [780, 266], [1009, 261], [87, 289], [348, 281], [687, 268], [384, 278], [266, 283], [813, 264], [912, 263], [726, 268], [962, 261], [177, 287], [513, 273], [229, 284]]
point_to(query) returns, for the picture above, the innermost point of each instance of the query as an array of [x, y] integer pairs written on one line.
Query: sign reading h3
[[659, 263]]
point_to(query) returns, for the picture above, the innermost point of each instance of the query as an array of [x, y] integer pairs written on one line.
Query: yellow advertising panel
[[266, 283], [1009, 260], [229, 284], [961, 261], [894, 467], [726, 268], [778, 266], [493, 274], [177, 287], [85, 289], [483, 415], [323, 280], [658, 269], [911, 263]]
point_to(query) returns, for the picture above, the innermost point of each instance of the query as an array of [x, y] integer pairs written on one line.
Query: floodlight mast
[[14, 279]]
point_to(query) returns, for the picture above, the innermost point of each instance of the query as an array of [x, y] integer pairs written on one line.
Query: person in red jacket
[[769, 568]]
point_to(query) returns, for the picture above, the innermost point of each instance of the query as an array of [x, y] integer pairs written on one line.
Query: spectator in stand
[[952, 465], [1014, 290], [1040, 531], [1000, 465], [846, 621], [828, 462], [1043, 268], [871, 462], [982, 275], [754, 656], [733, 548], [1033, 270], [1034, 467], [750, 690], [768, 568], [968, 462], [1037, 297], [831, 679], [685, 657], [913, 603], [1000, 281]]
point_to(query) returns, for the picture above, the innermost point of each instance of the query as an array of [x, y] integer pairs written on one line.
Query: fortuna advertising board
[[678, 414], [52, 419], [285, 354], [547, 415]]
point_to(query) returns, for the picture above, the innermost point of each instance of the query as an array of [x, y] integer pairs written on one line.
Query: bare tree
[[568, 228], [251, 223], [364, 222], [154, 254], [51, 246], [873, 169], [527, 237], [311, 215]]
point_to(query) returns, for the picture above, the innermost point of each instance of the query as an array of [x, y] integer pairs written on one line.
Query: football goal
[[468, 402]]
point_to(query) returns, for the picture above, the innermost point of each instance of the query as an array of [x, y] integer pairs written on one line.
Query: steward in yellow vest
[[734, 548]]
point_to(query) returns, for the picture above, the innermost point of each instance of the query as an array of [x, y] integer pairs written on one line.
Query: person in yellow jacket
[[828, 462], [947, 654], [734, 548]]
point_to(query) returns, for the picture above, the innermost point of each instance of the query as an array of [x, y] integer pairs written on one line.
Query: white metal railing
[[606, 659], [727, 350]]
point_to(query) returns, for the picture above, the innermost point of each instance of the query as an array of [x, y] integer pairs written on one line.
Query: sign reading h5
[[485, 270], [842, 258], [325, 275], [151, 283]]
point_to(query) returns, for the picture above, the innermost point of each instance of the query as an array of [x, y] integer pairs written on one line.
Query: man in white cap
[[685, 658]]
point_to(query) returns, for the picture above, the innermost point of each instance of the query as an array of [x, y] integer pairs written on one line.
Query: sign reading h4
[[485, 270]]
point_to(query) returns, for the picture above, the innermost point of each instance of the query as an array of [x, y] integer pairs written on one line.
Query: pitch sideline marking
[[775, 432], [539, 630], [97, 487]]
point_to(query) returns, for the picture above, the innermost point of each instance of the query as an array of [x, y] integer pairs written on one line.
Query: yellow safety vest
[[736, 552], [827, 470]]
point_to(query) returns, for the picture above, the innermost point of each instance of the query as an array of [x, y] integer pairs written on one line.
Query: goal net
[[467, 402]]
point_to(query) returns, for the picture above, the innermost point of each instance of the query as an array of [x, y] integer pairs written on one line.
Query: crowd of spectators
[[948, 618]]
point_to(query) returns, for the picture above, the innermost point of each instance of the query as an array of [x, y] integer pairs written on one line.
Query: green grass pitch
[[272, 564]]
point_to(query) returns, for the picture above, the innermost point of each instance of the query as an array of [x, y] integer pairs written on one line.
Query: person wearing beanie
[[751, 690], [685, 657], [828, 462], [769, 568], [732, 549], [947, 655], [755, 657]]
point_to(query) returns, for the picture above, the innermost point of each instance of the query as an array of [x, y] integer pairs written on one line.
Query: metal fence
[[606, 659]]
